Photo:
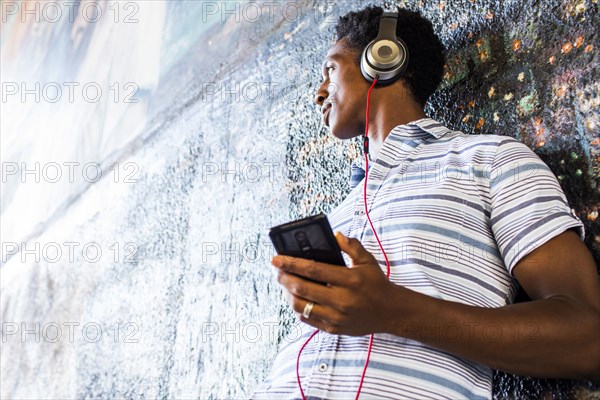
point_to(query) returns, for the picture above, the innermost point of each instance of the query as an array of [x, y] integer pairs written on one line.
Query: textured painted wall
[[222, 142]]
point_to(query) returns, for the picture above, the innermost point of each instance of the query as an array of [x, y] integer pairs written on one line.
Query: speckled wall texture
[[153, 279]]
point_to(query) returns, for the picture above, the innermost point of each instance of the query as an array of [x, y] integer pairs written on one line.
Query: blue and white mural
[[147, 147]]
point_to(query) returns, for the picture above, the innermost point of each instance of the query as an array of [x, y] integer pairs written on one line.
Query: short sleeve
[[527, 204]]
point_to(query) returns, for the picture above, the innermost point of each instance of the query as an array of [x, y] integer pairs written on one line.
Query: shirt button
[[323, 367]]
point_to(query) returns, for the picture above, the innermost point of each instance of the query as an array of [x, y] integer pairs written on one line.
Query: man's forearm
[[554, 337]]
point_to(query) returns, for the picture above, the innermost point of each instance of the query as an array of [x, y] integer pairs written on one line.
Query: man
[[463, 220]]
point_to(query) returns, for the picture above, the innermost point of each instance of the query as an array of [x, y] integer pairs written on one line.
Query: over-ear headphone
[[387, 55]]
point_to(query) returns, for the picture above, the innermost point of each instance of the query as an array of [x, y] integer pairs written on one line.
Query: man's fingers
[[305, 290], [314, 314], [313, 270], [307, 309], [354, 248]]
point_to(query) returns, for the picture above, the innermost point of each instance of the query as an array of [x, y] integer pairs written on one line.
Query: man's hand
[[349, 301], [560, 277]]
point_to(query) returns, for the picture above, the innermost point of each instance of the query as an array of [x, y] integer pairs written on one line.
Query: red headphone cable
[[387, 263]]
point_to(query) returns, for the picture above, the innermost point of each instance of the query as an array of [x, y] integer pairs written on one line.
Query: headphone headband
[[386, 57], [387, 25]]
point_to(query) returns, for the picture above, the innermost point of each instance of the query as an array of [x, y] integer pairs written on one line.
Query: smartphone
[[310, 238]]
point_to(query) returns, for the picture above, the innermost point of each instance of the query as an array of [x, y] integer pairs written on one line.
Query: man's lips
[[326, 110]]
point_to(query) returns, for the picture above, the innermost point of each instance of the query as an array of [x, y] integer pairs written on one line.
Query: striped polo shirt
[[454, 213]]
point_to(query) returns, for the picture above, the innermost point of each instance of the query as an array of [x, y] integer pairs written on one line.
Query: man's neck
[[385, 115]]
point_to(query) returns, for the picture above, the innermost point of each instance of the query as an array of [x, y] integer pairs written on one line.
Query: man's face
[[343, 93]]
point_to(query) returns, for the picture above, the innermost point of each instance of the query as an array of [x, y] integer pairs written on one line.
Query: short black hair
[[426, 52]]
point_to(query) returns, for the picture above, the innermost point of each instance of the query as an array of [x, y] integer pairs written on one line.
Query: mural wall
[[147, 147]]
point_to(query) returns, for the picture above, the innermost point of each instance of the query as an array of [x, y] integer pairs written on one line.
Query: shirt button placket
[[323, 367]]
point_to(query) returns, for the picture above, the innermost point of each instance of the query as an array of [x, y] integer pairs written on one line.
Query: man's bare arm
[[556, 335]]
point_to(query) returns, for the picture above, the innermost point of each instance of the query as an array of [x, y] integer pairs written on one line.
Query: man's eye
[[328, 69]]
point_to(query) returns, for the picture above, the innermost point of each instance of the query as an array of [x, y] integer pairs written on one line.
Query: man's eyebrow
[[332, 57]]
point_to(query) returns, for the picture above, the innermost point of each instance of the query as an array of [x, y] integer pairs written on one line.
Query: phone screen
[[310, 238]]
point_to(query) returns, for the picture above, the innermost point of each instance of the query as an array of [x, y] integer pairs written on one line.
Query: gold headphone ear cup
[[367, 70], [386, 57]]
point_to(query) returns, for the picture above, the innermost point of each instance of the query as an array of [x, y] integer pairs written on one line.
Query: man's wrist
[[403, 316]]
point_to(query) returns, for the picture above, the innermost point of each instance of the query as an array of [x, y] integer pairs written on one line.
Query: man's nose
[[322, 94]]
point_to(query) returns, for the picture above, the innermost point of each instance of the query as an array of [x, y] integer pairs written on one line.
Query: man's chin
[[335, 133], [334, 130], [342, 134]]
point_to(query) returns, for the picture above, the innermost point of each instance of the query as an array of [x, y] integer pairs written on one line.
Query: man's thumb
[[352, 247]]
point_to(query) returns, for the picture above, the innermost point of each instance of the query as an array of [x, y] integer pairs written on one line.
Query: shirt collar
[[421, 128], [357, 171]]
